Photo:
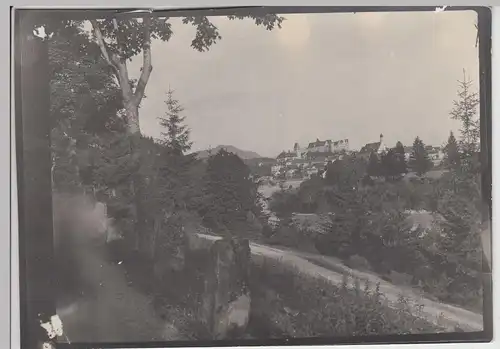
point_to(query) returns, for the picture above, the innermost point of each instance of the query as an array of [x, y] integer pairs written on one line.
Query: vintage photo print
[[253, 176]]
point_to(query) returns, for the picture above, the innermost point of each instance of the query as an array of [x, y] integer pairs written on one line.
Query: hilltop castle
[[327, 146]]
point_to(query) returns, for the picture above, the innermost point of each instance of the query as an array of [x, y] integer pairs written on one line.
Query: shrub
[[284, 203], [289, 236], [287, 303], [359, 263]]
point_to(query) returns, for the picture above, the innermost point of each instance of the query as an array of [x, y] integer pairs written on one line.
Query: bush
[[286, 303], [284, 203], [289, 236], [183, 301], [359, 263], [370, 222]]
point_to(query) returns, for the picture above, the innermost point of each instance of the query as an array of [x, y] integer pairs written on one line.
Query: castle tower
[[382, 148]]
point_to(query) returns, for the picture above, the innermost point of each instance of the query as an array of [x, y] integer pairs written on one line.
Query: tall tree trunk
[[131, 101]]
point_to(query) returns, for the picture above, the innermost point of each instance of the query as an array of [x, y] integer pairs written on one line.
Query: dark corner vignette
[[485, 87], [36, 250], [34, 186]]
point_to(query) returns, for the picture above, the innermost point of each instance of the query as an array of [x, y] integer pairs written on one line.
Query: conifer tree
[[419, 159], [176, 136], [452, 153], [465, 110], [173, 169]]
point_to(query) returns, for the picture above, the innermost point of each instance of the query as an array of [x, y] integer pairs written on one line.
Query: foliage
[[229, 192], [393, 163], [373, 168], [85, 103], [290, 236], [64, 172], [419, 158], [260, 167], [288, 303], [176, 137], [465, 110], [283, 203], [346, 172], [371, 222], [452, 153], [309, 195], [399, 151], [389, 165], [359, 263]]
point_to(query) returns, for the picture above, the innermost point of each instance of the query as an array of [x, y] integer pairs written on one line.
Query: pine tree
[[465, 110], [176, 137], [174, 183], [452, 153], [419, 159]]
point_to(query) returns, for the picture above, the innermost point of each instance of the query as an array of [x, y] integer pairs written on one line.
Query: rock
[[226, 300]]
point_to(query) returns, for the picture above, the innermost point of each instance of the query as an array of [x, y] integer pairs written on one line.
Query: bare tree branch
[[119, 39], [477, 33], [146, 64], [101, 43]]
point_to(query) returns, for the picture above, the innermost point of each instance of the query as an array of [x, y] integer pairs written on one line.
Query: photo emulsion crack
[[253, 176]]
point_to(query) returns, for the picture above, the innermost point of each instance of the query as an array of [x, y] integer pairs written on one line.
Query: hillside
[[243, 154]]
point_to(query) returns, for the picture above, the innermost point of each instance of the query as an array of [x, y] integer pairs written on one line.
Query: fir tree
[[419, 159], [176, 136], [452, 153], [465, 110], [117, 41]]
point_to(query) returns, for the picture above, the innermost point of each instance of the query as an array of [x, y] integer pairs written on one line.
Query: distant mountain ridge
[[243, 154]]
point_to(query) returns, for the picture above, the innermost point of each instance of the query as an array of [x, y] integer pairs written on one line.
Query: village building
[[286, 156], [376, 147], [436, 154]]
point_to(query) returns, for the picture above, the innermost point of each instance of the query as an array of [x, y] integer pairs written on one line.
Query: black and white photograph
[[253, 174]]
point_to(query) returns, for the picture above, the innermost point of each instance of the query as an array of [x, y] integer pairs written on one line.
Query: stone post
[[226, 299]]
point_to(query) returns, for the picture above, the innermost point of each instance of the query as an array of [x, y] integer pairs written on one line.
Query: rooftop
[[370, 147]]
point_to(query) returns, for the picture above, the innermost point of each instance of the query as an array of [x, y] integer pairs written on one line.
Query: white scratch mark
[[57, 325], [120, 262], [54, 327], [440, 9], [47, 346], [48, 327]]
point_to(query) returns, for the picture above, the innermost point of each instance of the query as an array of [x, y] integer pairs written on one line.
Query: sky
[[326, 76]]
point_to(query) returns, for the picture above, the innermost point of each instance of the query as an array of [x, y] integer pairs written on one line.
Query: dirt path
[[110, 310], [438, 313]]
